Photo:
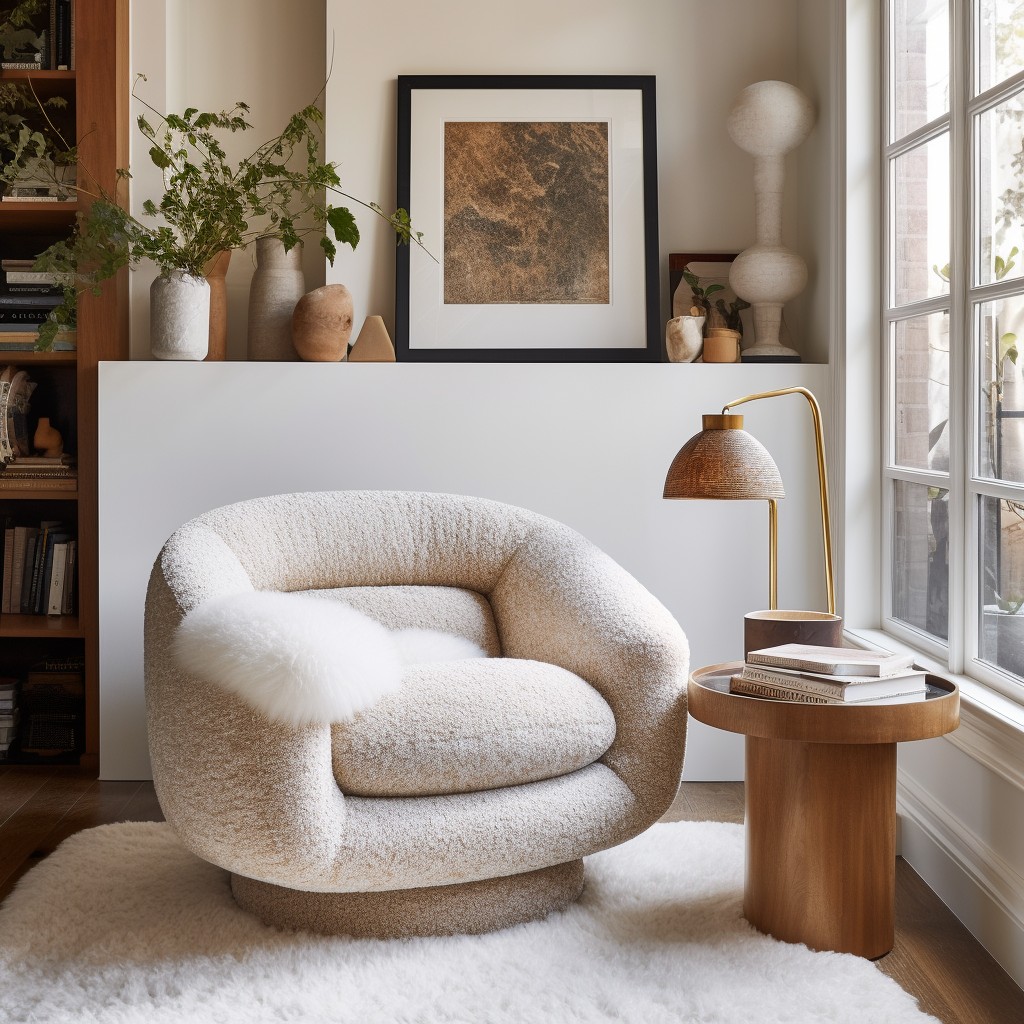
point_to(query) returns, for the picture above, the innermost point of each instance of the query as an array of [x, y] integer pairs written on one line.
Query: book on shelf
[[845, 661], [15, 319], [22, 482], [24, 541], [769, 691], [41, 586], [767, 682], [63, 39], [30, 303], [58, 568], [57, 197], [21, 65], [27, 341], [8, 577], [33, 282], [44, 545], [68, 601]]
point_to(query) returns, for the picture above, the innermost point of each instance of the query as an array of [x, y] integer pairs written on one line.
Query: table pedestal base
[[821, 843]]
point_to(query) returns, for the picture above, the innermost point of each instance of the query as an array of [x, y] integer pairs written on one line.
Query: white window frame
[[963, 482]]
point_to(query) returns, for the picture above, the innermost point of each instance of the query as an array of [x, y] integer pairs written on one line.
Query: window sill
[[991, 725]]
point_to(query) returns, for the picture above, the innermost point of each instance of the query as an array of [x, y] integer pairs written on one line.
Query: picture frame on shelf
[[712, 268], [537, 199]]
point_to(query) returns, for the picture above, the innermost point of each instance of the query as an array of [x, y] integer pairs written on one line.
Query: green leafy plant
[[701, 293], [210, 203]]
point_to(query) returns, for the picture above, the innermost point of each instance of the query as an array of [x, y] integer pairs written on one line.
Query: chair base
[[468, 908]]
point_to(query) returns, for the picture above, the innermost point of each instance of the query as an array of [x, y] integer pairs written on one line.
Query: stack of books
[[27, 472], [27, 298], [39, 570], [830, 675], [8, 714]]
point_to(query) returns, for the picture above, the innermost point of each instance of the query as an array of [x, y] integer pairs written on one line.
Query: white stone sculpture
[[684, 338], [767, 121]]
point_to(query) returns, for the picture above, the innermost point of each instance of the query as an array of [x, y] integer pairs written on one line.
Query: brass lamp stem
[[773, 554], [826, 522]]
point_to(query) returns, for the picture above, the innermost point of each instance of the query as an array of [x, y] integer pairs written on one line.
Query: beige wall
[[703, 53], [208, 54]]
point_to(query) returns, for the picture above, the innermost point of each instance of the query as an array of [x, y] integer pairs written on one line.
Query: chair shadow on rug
[[465, 800]]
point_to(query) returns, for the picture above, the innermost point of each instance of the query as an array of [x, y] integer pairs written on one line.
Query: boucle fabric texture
[[447, 609], [260, 799], [464, 726], [468, 908]]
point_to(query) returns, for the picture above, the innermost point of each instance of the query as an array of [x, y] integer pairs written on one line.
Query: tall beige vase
[[277, 285]]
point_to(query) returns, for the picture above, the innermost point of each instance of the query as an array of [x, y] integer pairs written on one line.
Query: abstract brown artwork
[[526, 212]]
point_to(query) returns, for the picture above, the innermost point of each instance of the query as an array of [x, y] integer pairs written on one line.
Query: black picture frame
[[627, 104]]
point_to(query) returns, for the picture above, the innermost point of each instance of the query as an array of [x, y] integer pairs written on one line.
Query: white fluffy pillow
[[419, 646], [301, 659]]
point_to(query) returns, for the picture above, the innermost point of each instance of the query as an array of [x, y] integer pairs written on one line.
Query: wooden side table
[[821, 807]]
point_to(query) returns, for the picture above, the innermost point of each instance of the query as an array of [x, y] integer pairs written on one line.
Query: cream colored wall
[[208, 54], [703, 53], [275, 54]]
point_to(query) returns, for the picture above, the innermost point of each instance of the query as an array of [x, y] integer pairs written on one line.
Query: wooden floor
[[935, 958]]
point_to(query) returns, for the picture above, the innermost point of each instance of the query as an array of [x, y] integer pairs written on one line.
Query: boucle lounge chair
[[466, 800]]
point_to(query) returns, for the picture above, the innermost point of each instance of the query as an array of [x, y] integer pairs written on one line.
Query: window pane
[[920, 220], [920, 565], [1000, 330], [920, 64], [921, 349], [1000, 41], [1002, 584], [999, 155]]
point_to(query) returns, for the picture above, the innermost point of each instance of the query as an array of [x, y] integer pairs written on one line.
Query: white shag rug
[[121, 924]]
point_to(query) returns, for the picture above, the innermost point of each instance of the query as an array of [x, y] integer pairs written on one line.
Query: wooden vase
[[322, 324], [216, 273]]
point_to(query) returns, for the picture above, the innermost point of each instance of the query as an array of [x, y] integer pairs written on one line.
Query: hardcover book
[[839, 688], [770, 691], [833, 661]]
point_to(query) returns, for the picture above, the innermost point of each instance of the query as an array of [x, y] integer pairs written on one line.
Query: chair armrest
[[227, 777], [562, 600]]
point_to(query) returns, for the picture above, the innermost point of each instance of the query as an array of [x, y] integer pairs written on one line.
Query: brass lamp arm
[[819, 444]]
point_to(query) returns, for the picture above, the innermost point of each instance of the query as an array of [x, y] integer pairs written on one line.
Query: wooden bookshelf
[[98, 92]]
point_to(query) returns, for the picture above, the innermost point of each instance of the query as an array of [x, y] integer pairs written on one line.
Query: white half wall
[[588, 445]]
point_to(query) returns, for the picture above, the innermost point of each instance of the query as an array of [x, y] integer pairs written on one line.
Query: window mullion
[[961, 544]]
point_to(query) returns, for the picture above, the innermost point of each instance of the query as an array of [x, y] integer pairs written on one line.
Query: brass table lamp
[[724, 462]]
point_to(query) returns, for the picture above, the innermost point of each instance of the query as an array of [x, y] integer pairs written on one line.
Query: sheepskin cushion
[[446, 609], [466, 726], [301, 660]]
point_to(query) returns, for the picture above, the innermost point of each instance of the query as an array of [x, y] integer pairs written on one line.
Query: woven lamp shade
[[723, 461]]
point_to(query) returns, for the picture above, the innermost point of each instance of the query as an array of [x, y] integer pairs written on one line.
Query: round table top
[[711, 702]]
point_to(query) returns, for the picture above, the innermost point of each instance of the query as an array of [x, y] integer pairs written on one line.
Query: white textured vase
[[768, 120], [277, 285], [179, 316]]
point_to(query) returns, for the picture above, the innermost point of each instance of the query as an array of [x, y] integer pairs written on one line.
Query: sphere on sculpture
[[770, 118]]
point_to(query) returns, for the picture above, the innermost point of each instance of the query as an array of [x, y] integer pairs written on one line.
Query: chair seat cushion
[[467, 726]]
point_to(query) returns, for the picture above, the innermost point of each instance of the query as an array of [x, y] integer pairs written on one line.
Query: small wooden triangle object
[[373, 344]]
